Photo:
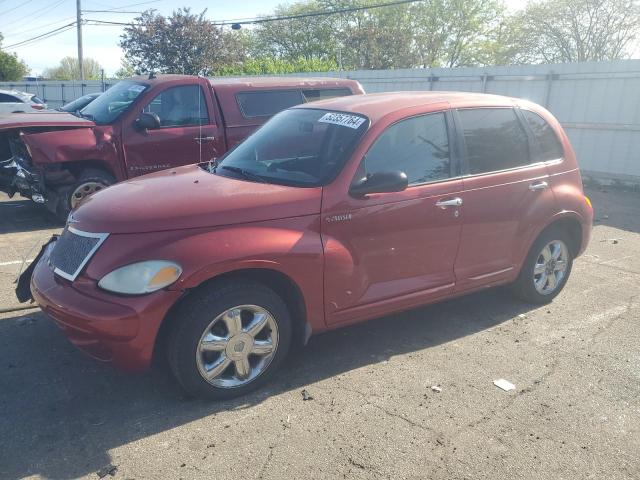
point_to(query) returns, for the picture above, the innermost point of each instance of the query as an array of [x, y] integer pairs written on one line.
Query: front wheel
[[546, 269], [228, 340], [90, 181]]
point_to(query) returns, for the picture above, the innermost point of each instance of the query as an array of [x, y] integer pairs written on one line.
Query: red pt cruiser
[[330, 214]]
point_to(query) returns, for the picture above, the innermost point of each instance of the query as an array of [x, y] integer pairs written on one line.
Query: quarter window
[[418, 146], [180, 106], [4, 98], [494, 138], [314, 94], [267, 103], [549, 148]]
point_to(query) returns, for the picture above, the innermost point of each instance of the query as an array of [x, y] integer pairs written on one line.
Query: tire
[[530, 285], [91, 179], [203, 318]]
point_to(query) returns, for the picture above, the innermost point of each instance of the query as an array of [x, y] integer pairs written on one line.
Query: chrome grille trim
[[101, 238]]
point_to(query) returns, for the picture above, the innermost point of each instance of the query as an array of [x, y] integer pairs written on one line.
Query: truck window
[[267, 103], [180, 107], [313, 94], [110, 105]]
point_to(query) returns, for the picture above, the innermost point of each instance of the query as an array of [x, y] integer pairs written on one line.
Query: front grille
[[73, 250]]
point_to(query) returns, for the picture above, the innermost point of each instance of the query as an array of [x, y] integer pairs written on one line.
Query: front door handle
[[204, 139], [453, 202], [538, 185]]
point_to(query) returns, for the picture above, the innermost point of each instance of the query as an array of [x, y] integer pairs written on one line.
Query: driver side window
[[417, 146], [180, 107]]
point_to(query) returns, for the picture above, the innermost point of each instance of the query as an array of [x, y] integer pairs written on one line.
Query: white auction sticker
[[136, 88], [343, 119]]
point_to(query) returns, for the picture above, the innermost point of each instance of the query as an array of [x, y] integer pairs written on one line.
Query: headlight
[[142, 277]]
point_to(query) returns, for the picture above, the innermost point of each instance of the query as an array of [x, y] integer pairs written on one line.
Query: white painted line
[[15, 262]]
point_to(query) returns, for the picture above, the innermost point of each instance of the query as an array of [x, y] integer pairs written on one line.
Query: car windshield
[[299, 147], [78, 103], [108, 106]]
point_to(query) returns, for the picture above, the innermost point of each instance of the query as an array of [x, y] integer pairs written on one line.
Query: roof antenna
[[152, 75]]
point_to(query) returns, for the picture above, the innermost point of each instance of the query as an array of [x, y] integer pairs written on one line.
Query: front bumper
[[115, 329]]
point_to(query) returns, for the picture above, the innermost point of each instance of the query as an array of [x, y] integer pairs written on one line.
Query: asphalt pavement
[[371, 410]]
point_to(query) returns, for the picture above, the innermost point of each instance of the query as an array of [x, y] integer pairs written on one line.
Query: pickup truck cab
[[141, 125], [333, 213]]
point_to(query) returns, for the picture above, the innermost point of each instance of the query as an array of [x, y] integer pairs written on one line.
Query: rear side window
[[180, 107], [4, 98], [494, 138], [549, 147], [267, 103], [37, 100], [418, 146], [313, 94]]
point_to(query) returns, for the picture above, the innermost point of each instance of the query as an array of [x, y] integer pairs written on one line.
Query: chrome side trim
[[101, 238]]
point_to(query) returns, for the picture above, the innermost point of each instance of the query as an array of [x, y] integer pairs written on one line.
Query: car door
[[505, 199], [394, 250], [188, 132]]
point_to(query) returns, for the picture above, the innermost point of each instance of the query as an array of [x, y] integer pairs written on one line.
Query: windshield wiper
[[245, 173]]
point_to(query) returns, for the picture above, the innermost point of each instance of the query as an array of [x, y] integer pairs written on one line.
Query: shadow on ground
[[24, 216], [62, 412]]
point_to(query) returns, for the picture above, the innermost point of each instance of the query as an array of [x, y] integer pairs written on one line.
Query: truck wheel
[[546, 269], [227, 340], [89, 181]]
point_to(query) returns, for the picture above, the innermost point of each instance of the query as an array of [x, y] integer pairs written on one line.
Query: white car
[[12, 101]]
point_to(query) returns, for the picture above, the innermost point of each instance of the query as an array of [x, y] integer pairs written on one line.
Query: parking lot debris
[[436, 388], [504, 384], [108, 470], [306, 395]]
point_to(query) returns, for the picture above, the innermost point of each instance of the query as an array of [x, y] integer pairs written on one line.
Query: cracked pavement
[[575, 412]]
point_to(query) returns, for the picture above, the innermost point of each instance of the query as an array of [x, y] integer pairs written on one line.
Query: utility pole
[[79, 25]]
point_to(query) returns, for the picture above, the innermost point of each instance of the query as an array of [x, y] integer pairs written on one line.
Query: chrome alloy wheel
[[237, 346], [83, 191], [550, 267]]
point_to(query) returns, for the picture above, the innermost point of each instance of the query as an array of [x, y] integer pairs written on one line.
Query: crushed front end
[[17, 173]]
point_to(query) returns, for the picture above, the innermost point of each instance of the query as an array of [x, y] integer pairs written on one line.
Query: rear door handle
[[204, 139], [453, 202], [538, 185]]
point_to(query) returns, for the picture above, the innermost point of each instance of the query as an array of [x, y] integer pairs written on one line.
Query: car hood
[[190, 197], [42, 119]]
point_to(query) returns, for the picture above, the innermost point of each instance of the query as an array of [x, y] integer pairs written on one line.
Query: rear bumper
[[114, 329]]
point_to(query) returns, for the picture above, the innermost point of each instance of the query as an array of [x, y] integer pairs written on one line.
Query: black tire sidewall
[[524, 286], [196, 313]]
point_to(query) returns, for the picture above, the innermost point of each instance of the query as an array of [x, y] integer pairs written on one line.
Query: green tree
[[182, 43], [291, 39], [271, 65], [11, 67], [126, 70], [577, 30], [69, 69]]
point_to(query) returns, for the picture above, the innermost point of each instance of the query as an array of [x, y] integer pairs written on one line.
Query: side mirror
[[148, 121], [380, 182]]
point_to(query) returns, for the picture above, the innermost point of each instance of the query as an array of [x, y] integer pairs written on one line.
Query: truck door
[[188, 132]]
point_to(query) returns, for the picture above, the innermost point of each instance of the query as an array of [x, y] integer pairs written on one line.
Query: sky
[[24, 19]]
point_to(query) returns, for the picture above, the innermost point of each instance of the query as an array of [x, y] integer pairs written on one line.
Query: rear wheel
[[546, 268], [228, 340], [90, 181]]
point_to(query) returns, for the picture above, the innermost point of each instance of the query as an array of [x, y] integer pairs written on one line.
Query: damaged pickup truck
[[141, 125]]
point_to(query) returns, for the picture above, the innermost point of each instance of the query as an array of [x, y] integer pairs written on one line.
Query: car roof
[[378, 105], [238, 83]]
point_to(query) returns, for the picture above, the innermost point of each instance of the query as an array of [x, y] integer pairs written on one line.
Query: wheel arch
[[570, 223], [76, 167], [281, 283]]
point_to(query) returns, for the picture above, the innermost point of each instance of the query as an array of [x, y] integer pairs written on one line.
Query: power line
[[258, 20], [42, 36], [37, 14], [16, 7], [39, 27]]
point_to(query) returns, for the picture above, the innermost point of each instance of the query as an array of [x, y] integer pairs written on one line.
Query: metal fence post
[[484, 82], [547, 96]]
